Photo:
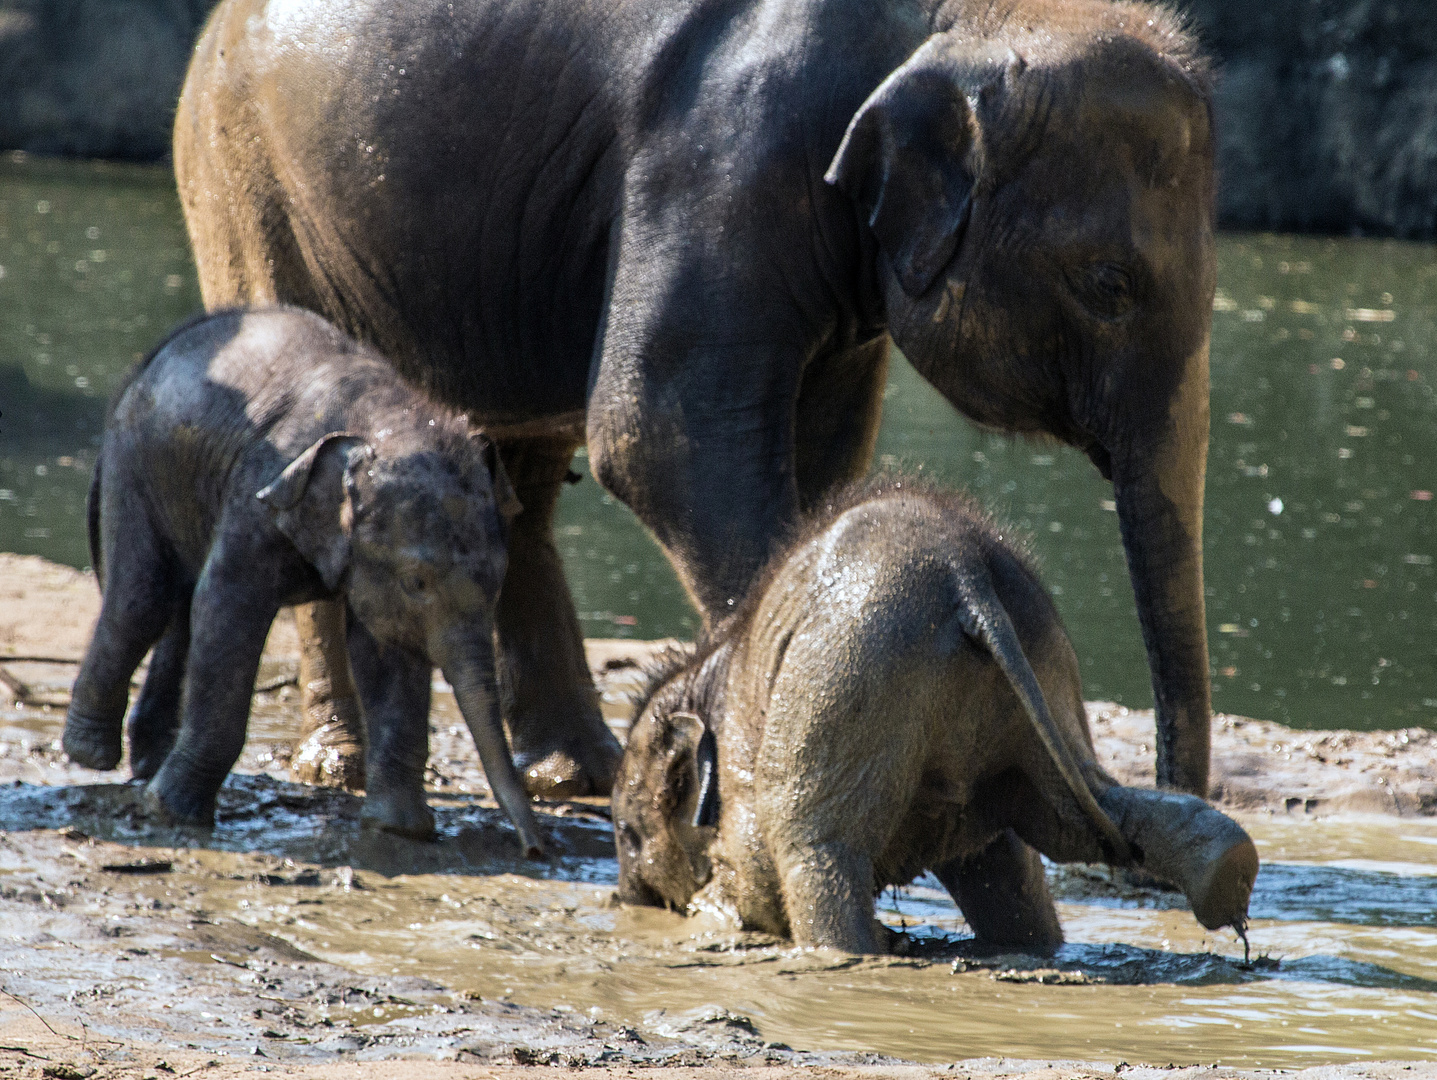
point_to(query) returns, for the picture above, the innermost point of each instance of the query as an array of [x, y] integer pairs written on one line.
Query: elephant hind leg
[[331, 746], [140, 600], [1004, 896], [155, 719]]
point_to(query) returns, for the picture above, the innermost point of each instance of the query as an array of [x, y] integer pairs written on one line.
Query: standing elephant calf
[[260, 459], [896, 695]]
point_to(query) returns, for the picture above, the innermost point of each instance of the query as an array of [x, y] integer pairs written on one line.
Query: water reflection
[[1322, 592]]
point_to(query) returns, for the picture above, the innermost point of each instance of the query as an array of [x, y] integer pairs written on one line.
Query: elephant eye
[[1106, 289]]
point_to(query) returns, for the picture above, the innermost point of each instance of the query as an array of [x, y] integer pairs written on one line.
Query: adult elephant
[[687, 232]]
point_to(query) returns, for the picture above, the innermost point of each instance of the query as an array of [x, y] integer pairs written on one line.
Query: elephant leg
[[1004, 896], [141, 596], [229, 621], [394, 688], [155, 719], [561, 745], [828, 896], [840, 405], [330, 748]]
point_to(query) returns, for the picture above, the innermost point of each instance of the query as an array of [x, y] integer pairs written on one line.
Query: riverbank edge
[[47, 611]]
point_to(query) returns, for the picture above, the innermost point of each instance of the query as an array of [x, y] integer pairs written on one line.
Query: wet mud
[[289, 935]]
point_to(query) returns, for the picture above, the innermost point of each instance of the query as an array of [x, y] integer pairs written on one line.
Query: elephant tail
[[92, 522], [985, 620]]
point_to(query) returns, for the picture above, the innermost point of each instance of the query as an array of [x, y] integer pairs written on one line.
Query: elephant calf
[[258, 459], [896, 695]]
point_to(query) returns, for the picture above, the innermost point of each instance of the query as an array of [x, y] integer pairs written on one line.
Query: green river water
[[1322, 597]]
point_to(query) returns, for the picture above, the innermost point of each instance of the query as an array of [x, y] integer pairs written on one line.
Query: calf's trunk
[[470, 671]]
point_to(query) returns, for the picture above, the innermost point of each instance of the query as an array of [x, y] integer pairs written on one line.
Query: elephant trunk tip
[[531, 845], [1221, 898]]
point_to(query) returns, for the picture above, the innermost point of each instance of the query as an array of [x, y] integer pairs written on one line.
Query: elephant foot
[[330, 756], [147, 754], [570, 770], [405, 815], [95, 744], [178, 808]]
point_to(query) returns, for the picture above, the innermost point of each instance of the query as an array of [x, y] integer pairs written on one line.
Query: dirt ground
[[113, 965]]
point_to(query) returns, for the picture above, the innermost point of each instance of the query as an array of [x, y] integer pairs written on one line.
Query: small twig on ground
[[41, 660], [27, 1052], [276, 683], [19, 690], [37, 1016]]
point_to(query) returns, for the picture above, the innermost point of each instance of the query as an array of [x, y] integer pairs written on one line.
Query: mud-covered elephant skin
[[897, 695], [257, 459], [687, 233]]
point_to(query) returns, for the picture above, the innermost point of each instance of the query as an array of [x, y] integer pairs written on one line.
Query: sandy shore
[[111, 964]]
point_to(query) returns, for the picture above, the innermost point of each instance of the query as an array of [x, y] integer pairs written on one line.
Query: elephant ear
[[505, 501], [310, 502], [905, 160], [693, 763]]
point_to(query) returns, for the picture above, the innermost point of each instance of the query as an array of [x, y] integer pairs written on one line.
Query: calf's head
[[414, 537], [665, 802]]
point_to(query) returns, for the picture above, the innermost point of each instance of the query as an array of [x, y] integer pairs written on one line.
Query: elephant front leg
[[394, 687], [330, 748], [229, 621], [1004, 896], [828, 897], [561, 745]]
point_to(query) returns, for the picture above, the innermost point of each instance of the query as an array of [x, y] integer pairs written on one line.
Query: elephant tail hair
[[985, 620]]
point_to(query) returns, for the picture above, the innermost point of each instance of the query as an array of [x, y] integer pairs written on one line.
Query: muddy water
[[1344, 930]]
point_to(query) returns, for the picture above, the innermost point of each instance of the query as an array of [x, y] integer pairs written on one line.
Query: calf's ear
[[908, 161], [693, 751], [311, 505]]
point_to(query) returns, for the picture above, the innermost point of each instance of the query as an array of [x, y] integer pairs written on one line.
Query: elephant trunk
[[1187, 843], [469, 668], [1158, 486]]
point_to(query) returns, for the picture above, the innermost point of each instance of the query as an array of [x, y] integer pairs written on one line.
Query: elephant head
[[665, 806], [414, 533], [1041, 209]]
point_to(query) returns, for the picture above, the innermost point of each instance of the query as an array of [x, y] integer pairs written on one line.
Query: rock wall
[[1327, 109], [1327, 113], [94, 78]]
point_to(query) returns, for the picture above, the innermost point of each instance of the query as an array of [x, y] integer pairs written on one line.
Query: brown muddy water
[[1344, 929]]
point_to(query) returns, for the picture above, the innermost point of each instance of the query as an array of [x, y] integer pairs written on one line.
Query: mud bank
[[47, 610], [288, 939]]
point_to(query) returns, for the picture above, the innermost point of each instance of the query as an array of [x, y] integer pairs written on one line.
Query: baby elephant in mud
[[259, 459], [896, 695]]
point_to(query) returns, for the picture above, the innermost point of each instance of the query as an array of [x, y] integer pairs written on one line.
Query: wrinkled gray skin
[[687, 233], [898, 696], [260, 459]]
